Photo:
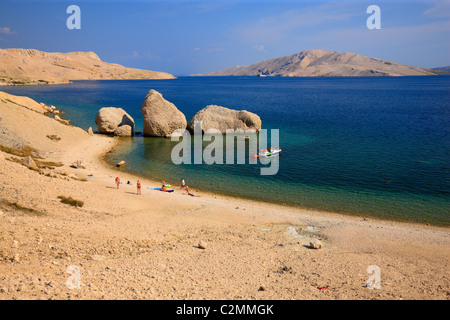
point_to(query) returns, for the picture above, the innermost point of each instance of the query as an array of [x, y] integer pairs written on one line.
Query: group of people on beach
[[163, 187], [138, 185]]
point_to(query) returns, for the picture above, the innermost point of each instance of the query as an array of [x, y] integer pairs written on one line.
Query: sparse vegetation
[[53, 137], [71, 201], [48, 164], [80, 179], [19, 207], [24, 152]]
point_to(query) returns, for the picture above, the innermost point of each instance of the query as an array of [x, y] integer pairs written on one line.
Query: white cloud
[[259, 47], [6, 30]]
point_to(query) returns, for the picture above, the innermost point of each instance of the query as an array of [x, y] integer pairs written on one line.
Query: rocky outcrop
[[114, 120], [221, 118], [161, 117], [23, 102]]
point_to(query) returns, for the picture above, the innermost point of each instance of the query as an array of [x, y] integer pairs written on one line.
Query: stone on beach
[[109, 119], [97, 257], [58, 118], [124, 131], [121, 163], [161, 117], [79, 164], [29, 162], [90, 131], [202, 245], [315, 244], [221, 118]]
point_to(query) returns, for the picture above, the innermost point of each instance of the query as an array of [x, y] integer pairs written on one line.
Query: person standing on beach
[[117, 182], [138, 187], [183, 184]]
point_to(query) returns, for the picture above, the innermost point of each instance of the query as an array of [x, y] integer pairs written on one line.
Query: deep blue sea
[[368, 146]]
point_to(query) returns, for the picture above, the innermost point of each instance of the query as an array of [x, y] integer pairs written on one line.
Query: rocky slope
[[443, 70], [322, 63], [29, 66]]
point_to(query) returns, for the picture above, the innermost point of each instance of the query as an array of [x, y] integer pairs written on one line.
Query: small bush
[[71, 201], [54, 137]]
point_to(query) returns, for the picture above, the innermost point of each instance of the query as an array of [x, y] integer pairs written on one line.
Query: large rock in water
[[111, 120], [221, 118], [161, 117]]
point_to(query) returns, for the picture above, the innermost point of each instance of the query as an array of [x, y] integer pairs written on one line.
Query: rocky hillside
[[444, 70], [29, 66], [322, 63]]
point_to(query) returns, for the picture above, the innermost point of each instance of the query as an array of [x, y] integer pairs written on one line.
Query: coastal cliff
[[30, 66]]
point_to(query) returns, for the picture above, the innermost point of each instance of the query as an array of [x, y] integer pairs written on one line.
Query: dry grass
[[24, 152], [54, 137], [71, 201], [16, 206], [48, 164]]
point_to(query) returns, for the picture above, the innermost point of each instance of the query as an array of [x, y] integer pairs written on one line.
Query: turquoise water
[[368, 146]]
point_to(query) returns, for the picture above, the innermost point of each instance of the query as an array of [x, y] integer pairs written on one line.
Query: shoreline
[[148, 246], [103, 158]]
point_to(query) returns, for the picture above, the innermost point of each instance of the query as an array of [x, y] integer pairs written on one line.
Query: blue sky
[[184, 37]]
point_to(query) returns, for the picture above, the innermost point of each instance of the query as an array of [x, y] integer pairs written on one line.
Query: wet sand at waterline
[[147, 247]]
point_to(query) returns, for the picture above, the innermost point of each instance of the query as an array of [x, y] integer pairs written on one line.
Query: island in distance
[[30, 66], [323, 63]]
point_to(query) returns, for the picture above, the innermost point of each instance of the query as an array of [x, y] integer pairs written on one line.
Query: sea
[[367, 146]]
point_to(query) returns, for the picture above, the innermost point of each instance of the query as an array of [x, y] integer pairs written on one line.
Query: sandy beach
[[129, 246]]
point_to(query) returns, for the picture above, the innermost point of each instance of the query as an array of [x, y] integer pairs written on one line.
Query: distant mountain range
[[30, 66], [323, 63]]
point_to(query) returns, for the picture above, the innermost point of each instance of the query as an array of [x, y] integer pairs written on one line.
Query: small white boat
[[269, 153]]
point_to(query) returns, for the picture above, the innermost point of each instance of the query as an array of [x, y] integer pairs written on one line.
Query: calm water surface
[[370, 146]]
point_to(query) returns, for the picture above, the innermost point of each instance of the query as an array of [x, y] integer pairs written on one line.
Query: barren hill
[[322, 63], [29, 66]]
